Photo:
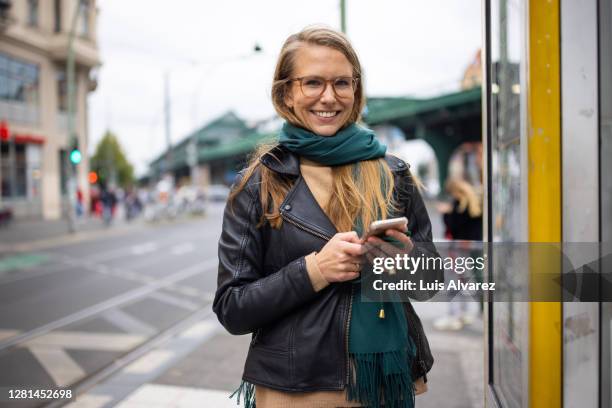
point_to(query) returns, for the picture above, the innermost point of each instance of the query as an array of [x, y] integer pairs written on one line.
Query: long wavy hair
[[467, 197], [363, 191]]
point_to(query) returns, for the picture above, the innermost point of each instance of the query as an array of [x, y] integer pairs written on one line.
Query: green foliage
[[110, 162]]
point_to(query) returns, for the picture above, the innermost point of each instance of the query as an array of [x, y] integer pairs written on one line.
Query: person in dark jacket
[[290, 252], [464, 220]]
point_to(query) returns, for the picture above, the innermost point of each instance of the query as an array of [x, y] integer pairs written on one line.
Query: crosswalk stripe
[[58, 364]]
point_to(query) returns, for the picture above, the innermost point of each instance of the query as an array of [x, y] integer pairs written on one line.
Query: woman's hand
[[377, 248], [341, 258]]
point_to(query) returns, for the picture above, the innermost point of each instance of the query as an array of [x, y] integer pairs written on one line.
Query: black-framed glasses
[[314, 86]]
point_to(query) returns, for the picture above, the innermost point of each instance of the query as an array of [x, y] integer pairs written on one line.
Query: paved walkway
[[203, 365]]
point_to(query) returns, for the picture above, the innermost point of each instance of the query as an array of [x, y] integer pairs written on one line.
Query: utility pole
[[343, 16], [167, 113], [72, 137]]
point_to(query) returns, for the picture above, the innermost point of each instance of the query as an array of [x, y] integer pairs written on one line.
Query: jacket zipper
[[303, 227], [348, 319], [346, 335]]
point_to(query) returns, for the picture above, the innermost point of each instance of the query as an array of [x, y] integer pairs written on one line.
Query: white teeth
[[325, 114]]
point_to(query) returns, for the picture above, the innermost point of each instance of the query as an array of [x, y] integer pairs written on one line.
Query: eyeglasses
[[314, 86]]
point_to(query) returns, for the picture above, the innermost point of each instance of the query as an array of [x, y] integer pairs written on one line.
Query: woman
[[463, 219], [290, 252]]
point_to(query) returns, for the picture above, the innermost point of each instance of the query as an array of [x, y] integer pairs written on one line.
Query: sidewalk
[[20, 235], [202, 366]]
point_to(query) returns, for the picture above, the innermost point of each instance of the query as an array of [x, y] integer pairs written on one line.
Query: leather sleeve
[[419, 227], [248, 297]]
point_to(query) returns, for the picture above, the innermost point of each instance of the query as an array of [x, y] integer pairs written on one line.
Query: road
[[69, 310]]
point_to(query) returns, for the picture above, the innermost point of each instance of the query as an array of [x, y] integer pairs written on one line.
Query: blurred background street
[[122, 126]]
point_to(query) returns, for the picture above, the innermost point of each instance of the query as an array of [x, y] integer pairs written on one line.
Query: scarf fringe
[[248, 390], [381, 378]]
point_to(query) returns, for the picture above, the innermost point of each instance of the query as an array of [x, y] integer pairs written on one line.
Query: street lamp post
[[72, 137], [343, 16]]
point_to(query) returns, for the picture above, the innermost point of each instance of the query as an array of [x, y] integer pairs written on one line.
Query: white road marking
[[150, 395], [90, 401], [87, 341], [149, 362], [183, 248], [187, 291], [119, 300], [7, 334], [144, 248], [174, 301], [128, 323], [58, 364], [201, 329]]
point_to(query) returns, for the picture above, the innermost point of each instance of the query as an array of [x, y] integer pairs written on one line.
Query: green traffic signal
[[75, 156]]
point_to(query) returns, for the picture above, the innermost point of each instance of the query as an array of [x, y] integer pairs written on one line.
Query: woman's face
[[327, 113]]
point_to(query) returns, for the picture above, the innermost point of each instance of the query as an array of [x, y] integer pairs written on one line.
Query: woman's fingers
[[350, 236], [351, 248], [401, 237]]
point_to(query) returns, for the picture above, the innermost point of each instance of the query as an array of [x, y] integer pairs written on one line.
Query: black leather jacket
[[300, 337]]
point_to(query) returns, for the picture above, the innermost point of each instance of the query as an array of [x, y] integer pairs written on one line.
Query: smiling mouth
[[326, 114]]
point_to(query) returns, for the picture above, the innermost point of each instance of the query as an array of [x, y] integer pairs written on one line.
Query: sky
[[406, 48]]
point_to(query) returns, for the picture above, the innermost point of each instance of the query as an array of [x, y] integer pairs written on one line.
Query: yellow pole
[[544, 190]]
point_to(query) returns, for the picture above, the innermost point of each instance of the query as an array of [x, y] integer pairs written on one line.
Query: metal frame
[[580, 190]]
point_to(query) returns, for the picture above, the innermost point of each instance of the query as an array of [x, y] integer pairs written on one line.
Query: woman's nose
[[328, 94]]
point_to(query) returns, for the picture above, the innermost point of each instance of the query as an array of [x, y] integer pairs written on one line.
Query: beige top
[[320, 182]]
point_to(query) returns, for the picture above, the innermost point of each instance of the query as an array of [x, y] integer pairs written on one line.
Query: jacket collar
[[283, 161]]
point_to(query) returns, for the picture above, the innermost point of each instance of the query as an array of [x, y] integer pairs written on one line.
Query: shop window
[[19, 82], [57, 16], [14, 170], [84, 18], [33, 13]]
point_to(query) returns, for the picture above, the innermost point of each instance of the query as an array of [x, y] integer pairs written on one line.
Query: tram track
[[114, 302]]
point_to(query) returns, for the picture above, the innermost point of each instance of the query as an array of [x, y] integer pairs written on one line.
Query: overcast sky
[[406, 47]]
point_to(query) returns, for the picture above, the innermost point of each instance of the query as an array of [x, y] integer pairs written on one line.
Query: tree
[[110, 163]]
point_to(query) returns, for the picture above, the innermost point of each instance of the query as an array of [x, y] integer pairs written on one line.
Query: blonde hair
[[467, 197], [362, 191]]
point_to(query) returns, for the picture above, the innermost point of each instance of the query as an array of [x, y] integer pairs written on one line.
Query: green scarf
[[380, 350], [351, 144]]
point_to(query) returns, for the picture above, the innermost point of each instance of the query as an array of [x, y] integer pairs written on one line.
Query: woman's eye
[[313, 83], [342, 83]]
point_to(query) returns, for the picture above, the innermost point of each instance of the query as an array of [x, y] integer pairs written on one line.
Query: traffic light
[[75, 154], [93, 177]]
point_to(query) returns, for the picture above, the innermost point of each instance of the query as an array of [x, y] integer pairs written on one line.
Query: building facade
[[34, 38]]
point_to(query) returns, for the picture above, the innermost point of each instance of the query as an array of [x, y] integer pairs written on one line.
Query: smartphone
[[378, 228]]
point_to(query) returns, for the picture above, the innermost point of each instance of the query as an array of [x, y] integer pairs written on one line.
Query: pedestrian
[[290, 250], [108, 199], [463, 221]]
